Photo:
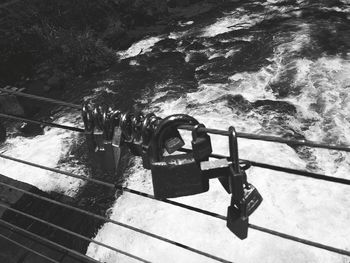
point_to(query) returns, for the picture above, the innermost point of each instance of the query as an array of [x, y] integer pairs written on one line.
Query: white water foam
[[236, 20], [295, 205], [139, 47], [47, 149]]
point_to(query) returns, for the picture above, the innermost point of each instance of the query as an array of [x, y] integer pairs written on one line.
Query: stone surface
[[66, 218], [31, 129]]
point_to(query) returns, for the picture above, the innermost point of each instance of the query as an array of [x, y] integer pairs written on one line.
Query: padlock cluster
[[173, 175]]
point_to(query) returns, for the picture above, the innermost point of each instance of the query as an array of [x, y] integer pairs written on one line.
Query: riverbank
[[51, 50], [52, 43]]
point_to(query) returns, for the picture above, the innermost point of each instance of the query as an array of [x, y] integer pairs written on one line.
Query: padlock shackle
[[125, 120], [233, 147], [136, 124], [108, 121], [97, 118], [87, 117], [115, 118], [145, 129], [170, 122]]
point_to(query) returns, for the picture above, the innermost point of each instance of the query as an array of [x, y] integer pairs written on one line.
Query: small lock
[[236, 222], [146, 136], [87, 117], [252, 198], [108, 124], [201, 144], [237, 218], [128, 133], [117, 146], [184, 177], [98, 129], [239, 211], [173, 140], [174, 175], [99, 140]]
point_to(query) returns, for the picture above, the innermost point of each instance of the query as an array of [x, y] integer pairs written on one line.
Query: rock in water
[[10, 105], [31, 129]]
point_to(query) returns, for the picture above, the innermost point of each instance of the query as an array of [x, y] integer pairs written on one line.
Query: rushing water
[[271, 67]]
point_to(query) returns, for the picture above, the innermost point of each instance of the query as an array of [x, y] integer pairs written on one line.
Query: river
[[266, 67]]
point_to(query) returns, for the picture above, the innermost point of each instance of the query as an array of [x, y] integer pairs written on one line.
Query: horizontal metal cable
[[45, 240], [250, 136], [195, 209], [51, 124], [54, 101], [73, 233], [345, 148], [301, 240], [302, 173], [28, 249], [257, 164], [58, 171], [284, 169], [258, 228], [116, 223]]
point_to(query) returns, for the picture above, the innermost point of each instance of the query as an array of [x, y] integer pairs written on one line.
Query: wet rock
[[57, 80], [115, 32], [276, 106], [10, 105], [236, 102], [195, 45], [167, 66], [167, 43], [143, 9], [31, 129], [184, 43], [197, 58]]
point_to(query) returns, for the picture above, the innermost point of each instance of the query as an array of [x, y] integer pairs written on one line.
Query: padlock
[[127, 130], [172, 138], [146, 129], [175, 175], [117, 146], [110, 121], [136, 124], [173, 141], [237, 218], [146, 136], [87, 117], [201, 144], [89, 127], [98, 129], [237, 222], [252, 198], [244, 165]]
